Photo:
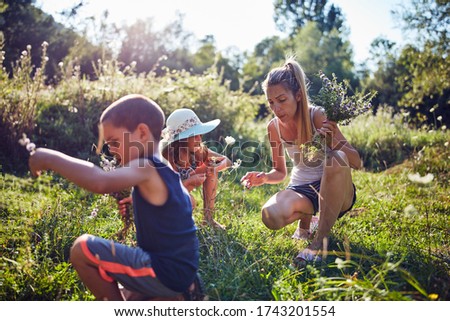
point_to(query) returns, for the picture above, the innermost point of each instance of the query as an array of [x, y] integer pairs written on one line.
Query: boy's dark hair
[[132, 110]]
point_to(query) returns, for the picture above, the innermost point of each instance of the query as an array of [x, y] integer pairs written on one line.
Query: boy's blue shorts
[[129, 266]]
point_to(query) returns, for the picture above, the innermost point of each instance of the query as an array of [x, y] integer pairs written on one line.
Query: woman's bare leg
[[286, 207], [336, 195]]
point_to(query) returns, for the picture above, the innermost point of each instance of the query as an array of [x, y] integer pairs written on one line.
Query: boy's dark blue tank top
[[168, 232]]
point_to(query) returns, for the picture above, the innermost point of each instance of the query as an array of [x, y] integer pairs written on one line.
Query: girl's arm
[[278, 172], [193, 181], [221, 161]]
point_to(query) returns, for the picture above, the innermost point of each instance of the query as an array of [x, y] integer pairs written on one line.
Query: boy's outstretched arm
[[85, 174]]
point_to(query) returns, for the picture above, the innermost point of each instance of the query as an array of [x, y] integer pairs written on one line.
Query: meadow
[[393, 245]]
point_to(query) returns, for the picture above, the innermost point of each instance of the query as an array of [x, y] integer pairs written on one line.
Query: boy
[[165, 263]]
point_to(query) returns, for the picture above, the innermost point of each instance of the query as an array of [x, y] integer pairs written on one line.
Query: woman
[[325, 187]]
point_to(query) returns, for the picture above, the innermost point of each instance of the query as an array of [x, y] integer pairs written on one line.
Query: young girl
[[197, 165], [325, 187]]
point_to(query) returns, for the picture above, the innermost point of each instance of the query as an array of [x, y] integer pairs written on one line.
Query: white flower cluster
[[106, 164], [25, 141]]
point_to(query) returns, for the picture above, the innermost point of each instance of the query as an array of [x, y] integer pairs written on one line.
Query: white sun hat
[[184, 123]]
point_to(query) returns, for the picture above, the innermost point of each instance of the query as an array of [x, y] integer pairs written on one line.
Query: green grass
[[393, 245]]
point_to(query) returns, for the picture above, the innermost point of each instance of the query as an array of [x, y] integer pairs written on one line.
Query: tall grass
[[394, 244]]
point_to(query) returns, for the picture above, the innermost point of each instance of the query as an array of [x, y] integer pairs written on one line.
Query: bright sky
[[241, 23]]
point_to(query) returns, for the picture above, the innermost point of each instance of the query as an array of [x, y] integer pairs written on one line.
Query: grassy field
[[393, 245]]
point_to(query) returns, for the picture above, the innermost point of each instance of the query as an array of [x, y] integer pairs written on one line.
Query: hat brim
[[199, 129]]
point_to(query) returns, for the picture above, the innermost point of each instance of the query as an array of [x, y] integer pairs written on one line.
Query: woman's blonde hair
[[292, 77]]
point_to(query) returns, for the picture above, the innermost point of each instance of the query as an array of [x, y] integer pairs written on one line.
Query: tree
[[23, 24], [292, 15], [152, 49], [330, 52], [384, 53], [268, 53], [426, 81], [143, 45]]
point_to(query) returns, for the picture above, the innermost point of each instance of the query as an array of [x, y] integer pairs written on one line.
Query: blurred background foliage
[[56, 80]]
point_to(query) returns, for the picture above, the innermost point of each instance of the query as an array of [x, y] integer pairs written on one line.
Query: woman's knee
[[272, 217]]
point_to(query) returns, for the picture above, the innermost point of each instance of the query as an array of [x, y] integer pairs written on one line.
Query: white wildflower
[[94, 213], [24, 141], [410, 210], [230, 140], [31, 147], [236, 164], [106, 164], [416, 178]]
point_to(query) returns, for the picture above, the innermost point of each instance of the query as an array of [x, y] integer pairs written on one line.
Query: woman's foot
[[307, 256], [302, 234]]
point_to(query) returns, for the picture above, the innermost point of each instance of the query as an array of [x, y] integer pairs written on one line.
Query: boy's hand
[[38, 160], [123, 204]]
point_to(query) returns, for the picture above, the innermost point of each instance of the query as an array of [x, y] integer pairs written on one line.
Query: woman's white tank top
[[303, 172]]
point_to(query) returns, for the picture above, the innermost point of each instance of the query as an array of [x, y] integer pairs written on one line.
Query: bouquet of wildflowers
[[109, 165], [338, 106]]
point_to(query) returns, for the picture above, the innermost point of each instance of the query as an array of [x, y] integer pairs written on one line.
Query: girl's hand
[[195, 180], [254, 179], [198, 179], [37, 161], [123, 204]]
